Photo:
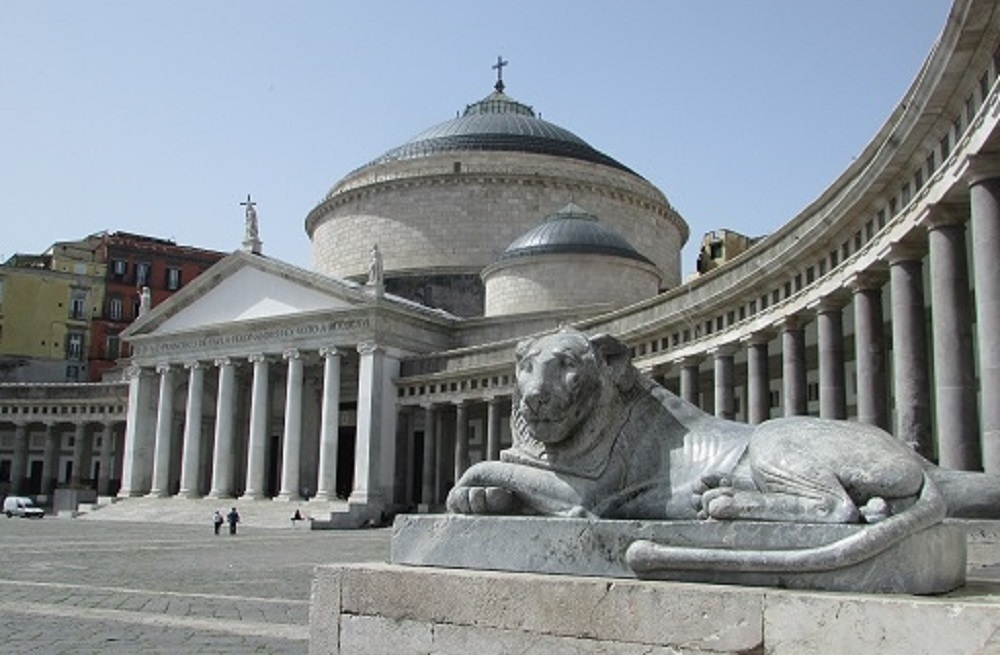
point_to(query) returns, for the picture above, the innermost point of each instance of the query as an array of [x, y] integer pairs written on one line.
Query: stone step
[[198, 511]]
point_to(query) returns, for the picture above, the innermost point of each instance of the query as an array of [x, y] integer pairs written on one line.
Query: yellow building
[[45, 319]]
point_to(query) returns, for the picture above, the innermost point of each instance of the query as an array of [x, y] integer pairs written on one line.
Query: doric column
[[690, 382], [19, 463], [374, 459], [758, 380], [461, 438], [430, 456], [984, 196], [725, 382], [107, 450], [292, 446], [225, 409], [911, 375], [137, 460], [79, 436], [493, 428], [164, 422], [793, 360], [830, 343], [50, 459], [191, 458], [869, 347], [329, 429], [257, 448], [951, 325]]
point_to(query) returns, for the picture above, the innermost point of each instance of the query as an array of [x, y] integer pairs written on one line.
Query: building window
[[918, 178], [113, 346], [173, 278], [931, 165], [812, 391], [74, 346], [970, 109], [833, 259], [77, 304], [142, 274], [905, 193], [945, 146], [775, 398], [881, 219], [869, 230], [115, 308], [119, 268]]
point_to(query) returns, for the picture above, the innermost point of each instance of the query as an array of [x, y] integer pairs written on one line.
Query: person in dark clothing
[[217, 520], [233, 517]]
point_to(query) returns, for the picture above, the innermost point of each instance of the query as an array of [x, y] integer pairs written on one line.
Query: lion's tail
[[645, 556]]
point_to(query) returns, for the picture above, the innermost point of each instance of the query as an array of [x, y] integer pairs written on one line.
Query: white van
[[21, 506]]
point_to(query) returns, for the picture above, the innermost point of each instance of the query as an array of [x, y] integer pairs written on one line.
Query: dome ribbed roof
[[499, 123], [571, 230]]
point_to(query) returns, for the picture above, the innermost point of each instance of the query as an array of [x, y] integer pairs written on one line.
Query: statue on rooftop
[[375, 273]]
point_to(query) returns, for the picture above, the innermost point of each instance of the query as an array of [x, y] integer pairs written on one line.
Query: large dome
[[498, 123]]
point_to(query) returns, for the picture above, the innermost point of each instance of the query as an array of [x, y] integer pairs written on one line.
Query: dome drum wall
[[424, 218], [547, 282]]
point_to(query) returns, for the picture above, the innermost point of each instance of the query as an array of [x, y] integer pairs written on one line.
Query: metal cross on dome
[[498, 67]]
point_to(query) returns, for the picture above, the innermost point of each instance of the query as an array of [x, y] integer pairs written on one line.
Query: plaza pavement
[[116, 587]]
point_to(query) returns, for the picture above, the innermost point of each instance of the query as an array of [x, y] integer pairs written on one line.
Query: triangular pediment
[[246, 288]]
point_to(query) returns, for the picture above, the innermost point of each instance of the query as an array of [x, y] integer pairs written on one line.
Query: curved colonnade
[[879, 302]]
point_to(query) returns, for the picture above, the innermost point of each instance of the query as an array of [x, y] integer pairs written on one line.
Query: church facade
[[381, 374]]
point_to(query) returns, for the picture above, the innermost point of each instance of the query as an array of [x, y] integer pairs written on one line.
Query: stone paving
[[89, 587]]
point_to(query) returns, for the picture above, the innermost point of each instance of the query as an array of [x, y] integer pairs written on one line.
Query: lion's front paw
[[481, 500], [717, 503]]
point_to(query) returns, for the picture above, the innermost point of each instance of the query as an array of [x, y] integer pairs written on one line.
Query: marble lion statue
[[592, 437]]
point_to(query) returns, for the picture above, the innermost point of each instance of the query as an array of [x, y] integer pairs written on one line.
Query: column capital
[[831, 302], [941, 215], [292, 353], [133, 371], [460, 402], [329, 351], [164, 367], [791, 322], [223, 361], [757, 338], [980, 168], [904, 251], [866, 280], [724, 350], [690, 360], [368, 347], [193, 365], [257, 357]]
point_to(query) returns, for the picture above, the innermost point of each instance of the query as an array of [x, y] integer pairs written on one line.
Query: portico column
[[951, 324], [984, 196], [191, 458], [690, 383], [374, 459], [793, 356], [256, 449], [104, 474], [164, 421], [493, 428], [911, 377], [137, 458], [292, 447], [869, 346], [50, 459], [79, 433], [329, 430], [225, 408], [830, 337], [725, 380], [430, 455], [19, 463], [758, 381], [461, 438]]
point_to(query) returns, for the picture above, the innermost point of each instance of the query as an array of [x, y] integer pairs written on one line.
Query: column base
[[157, 494], [253, 495], [220, 495], [183, 494], [285, 497]]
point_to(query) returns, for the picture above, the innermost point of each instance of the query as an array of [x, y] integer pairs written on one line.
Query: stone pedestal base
[[382, 608], [929, 562]]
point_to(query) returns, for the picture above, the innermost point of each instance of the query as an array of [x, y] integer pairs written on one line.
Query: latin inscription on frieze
[[276, 335]]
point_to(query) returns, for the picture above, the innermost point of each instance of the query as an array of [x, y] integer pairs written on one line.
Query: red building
[[131, 262]]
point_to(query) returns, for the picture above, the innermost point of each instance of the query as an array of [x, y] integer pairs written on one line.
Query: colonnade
[[944, 366], [39, 470], [232, 461]]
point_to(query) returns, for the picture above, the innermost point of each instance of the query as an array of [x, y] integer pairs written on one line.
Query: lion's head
[[568, 386]]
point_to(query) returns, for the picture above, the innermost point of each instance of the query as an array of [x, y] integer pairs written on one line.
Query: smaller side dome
[[572, 230], [570, 260]]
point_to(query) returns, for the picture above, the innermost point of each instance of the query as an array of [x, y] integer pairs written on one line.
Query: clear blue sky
[[160, 117]]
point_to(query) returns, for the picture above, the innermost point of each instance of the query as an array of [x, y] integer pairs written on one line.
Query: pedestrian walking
[[233, 517], [217, 520]]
